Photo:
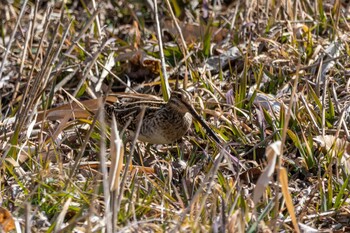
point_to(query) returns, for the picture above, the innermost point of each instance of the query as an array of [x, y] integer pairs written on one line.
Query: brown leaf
[[82, 109], [137, 37], [250, 175], [6, 220]]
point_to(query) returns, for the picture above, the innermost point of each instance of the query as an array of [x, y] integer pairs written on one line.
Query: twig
[[14, 32], [164, 81]]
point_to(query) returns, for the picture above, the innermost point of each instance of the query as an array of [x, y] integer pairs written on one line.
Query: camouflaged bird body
[[162, 123]]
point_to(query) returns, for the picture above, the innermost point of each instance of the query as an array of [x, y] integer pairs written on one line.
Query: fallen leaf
[[6, 220]]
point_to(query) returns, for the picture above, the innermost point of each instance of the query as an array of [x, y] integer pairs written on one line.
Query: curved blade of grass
[[289, 203]]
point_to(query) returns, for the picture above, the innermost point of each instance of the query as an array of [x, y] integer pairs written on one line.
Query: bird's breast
[[165, 128]]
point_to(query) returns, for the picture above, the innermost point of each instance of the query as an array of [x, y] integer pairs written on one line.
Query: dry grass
[[270, 79]]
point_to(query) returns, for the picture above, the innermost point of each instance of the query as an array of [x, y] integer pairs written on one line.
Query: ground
[[269, 78]]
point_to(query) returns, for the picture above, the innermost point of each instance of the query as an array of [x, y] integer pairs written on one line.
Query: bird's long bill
[[202, 122], [209, 131]]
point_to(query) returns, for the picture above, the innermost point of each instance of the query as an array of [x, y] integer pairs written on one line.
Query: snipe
[[163, 123]]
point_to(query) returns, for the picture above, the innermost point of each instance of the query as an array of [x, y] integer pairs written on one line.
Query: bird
[[162, 122]]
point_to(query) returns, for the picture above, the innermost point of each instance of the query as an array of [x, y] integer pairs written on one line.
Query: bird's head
[[181, 101]]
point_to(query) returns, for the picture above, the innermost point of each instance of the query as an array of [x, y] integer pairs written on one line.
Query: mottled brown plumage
[[163, 123]]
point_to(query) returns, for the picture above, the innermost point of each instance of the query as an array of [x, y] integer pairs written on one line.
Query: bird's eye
[[177, 95]]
